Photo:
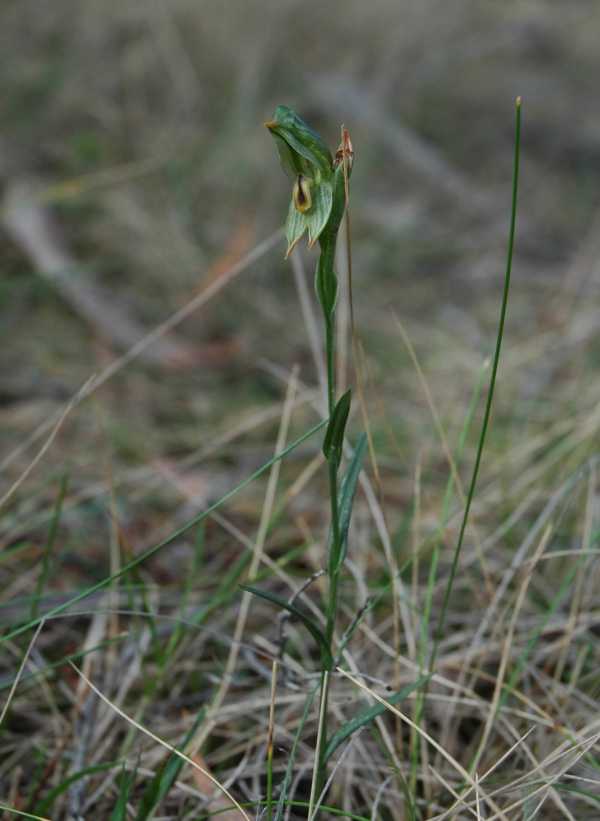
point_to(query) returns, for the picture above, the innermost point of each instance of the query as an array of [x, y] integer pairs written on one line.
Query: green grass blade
[[270, 735], [369, 715], [557, 600], [119, 812], [45, 805], [29, 680], [175, 535], [336, 812], [287, 779], [22, 813], [574, 790], [310, 625], [54, 522], [164, 779]]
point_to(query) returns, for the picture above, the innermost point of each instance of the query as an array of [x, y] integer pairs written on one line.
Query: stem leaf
[[44, 806], [326, 284], [311, 626], [347, 494], [334, 436]]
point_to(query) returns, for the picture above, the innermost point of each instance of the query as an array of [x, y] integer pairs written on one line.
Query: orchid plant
[[318, 202]]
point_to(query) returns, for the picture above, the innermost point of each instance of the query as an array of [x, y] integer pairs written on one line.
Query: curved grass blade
[[310, 625], [336, 812], [45, 805], [574, 790], [369, 715]]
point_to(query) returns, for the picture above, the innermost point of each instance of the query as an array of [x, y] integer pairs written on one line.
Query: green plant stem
[[332, 605], [334, 552], [326, 263], [320, 775], [319, 200], [330, 356], [270, 785]]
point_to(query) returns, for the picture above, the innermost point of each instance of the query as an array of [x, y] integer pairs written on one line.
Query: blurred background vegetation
[[140, 125], [135, 172]]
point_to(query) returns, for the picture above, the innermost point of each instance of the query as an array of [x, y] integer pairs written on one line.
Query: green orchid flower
[[317, 194]]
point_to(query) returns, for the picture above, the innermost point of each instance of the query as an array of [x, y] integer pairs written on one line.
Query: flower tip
[[271, 124], [292, 246]]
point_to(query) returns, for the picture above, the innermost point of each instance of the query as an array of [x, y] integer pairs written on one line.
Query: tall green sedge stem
[[490, 396], [439, 632], [317, 207]]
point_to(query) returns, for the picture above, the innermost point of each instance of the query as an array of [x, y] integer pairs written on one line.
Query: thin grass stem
[[270, 742]]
